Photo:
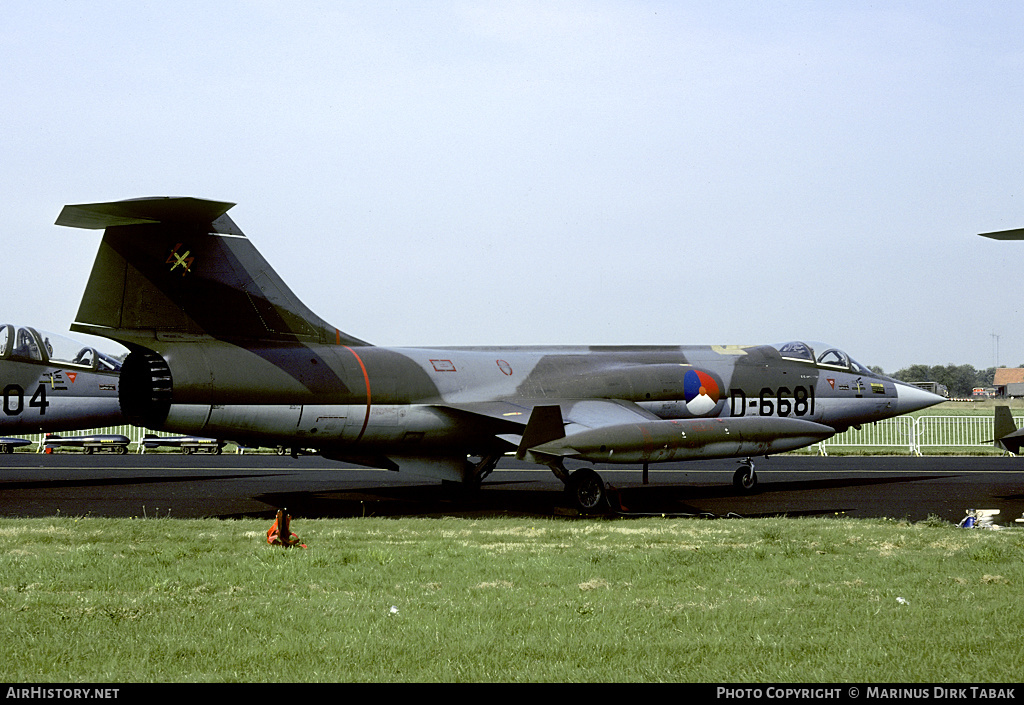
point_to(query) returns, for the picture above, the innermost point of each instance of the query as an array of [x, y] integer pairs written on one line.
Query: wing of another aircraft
[[1016, 234]]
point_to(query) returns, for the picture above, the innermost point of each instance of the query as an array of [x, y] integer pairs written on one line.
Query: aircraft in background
[[220, 346], [1007, 436], [1005, 431], [7, 445], [187, 444], [53, 383], [101, 442]]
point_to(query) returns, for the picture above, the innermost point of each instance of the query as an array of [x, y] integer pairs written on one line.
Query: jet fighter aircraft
[[53, 383], [221, 347], [1007, 436]]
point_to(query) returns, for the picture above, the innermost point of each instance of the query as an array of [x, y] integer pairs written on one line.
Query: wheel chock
[[280, 534]]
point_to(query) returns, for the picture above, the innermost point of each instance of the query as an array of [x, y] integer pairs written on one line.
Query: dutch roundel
[[700, 392]]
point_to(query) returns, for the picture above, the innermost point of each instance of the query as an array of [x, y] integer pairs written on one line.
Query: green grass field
[[980, 407], [379, 600], [766, 600]]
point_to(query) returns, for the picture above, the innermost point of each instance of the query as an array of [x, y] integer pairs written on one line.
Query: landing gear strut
[[476, 471], [745, 479]]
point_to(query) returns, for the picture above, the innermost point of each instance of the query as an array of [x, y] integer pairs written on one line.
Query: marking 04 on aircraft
[[53, 383], [221, 347]]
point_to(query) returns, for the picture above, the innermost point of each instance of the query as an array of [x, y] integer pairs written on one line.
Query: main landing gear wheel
[[586, 490], [745, 479]]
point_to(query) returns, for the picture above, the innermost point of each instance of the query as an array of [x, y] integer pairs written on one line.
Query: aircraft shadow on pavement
[[115, 481], [415, 500], [497, 499]]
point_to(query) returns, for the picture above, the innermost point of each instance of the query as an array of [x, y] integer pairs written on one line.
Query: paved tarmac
[[231, 486]]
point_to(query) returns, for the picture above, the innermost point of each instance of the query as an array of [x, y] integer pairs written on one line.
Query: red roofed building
[[1009, 381]]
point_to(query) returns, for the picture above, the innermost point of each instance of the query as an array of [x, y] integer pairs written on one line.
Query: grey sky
[[547, 173]]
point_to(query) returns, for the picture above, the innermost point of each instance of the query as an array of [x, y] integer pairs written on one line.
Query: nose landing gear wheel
[[586, 490], [745, 479]]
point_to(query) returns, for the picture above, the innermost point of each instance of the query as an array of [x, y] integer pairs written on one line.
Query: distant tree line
[[960, 380]]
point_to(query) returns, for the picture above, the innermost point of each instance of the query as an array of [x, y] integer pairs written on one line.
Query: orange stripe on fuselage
[[366, 378]]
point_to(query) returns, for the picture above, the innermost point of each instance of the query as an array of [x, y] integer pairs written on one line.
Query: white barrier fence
[[905, 432], [914, 434], [133, 433]]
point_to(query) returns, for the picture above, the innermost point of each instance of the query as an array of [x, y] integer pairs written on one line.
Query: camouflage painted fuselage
[[369, 400]]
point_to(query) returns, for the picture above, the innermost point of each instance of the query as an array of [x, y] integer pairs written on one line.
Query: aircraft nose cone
[[911, 398]]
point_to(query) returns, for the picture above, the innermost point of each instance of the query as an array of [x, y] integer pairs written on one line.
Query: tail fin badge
[[176, 260]]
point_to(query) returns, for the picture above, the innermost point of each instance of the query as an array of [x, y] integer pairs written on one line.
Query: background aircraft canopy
[[25, 343]]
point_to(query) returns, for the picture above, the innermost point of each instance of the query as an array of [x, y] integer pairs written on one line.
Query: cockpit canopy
[[28, 344], [820, 354]]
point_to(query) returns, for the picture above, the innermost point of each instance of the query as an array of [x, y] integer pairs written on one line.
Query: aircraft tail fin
[[1005, 430], [170, 265]]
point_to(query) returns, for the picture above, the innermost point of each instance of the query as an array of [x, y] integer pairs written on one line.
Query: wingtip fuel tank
[[687, 439]]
